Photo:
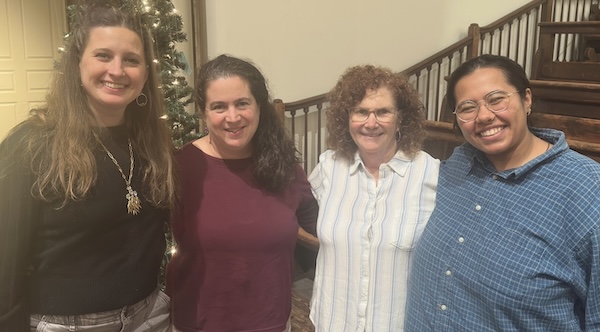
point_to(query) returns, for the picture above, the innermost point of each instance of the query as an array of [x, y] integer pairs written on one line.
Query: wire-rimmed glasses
[[495, 101], [382, 115]]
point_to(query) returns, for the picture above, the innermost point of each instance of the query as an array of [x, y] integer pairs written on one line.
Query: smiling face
[[500, 136], [376, 141], [113, 72], [232, 116]]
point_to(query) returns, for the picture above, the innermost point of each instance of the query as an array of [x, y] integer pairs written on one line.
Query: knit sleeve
[[16, 229]]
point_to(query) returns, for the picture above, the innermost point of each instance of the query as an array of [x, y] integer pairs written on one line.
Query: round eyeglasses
[[382, 115], [495, 101]]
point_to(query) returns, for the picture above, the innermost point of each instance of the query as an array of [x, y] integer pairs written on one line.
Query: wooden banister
[[515, 35]]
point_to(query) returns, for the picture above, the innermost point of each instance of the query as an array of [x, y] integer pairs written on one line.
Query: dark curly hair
[[350, 91], [275, 159]]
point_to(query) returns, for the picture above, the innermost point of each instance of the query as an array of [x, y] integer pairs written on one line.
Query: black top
[[90, 256]]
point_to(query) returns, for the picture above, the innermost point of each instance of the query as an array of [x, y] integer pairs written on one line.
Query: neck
[[373, 161], [209, 147], [528, 149]]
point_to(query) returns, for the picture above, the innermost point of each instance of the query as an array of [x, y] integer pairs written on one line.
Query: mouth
[[491, 132], [234, 130], [372, 135], [113, 85]]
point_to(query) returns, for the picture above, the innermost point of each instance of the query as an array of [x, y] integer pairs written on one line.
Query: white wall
[[302, 46]]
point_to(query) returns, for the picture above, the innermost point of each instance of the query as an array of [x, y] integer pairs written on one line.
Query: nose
[[232, 114], [483, 113], [116, 67], [371, 120]]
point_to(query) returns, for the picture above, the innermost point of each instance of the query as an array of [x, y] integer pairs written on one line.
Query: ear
[[528, 98]]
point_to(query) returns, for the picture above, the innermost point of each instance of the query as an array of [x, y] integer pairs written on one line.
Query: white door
[[31, 31]]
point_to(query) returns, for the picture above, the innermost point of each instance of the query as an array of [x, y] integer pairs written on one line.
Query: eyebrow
[[375, 109], [485, 96], [219, 102]]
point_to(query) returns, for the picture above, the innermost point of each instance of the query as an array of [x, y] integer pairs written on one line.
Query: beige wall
[[302, 46]]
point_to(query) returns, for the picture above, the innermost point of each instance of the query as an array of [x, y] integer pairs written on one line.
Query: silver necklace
[[134, 205]]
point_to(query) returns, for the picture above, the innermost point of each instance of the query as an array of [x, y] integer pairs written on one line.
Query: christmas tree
[[167, 30]]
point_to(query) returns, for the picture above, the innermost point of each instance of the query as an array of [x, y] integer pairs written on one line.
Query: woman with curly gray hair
[[376, 191]]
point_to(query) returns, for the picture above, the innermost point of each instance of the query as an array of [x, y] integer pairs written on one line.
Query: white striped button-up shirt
[[367, 229]]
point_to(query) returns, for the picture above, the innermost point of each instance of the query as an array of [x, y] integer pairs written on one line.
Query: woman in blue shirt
[[514, 241]]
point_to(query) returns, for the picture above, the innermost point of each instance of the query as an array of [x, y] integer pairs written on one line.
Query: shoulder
[[423, 157], [188, 150], [573, 169], [14, 147]]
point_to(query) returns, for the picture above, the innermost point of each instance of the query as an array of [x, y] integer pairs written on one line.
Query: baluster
[[500, 33], [293, 116], [319, 107], [305, 109], [427, 88], [437, 93]]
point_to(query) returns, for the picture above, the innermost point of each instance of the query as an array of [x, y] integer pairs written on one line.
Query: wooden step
[[578, 99]]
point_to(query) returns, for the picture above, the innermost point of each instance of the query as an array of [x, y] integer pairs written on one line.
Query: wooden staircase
[[557, 42], [561, 56]]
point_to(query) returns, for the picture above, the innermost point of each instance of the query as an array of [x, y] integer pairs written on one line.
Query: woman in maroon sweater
[[243, 196]]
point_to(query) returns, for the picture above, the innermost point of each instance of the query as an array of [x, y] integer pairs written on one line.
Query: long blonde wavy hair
[[59, 142]]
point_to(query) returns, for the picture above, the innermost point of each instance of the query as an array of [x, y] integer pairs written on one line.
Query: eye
[[218, 108], [495, 99], [466, 107], [102, 56], [242, 104], [132, 62], [361, 112], [384, 112]]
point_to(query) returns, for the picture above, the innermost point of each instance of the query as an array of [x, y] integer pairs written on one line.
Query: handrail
[[448, 51], [515, 35], [310, 101], [512, 16]]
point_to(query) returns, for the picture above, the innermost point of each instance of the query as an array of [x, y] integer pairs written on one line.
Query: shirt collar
[[555, 137], [398, 164]]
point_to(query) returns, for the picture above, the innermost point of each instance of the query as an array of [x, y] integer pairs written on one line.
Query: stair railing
[[515, 35]]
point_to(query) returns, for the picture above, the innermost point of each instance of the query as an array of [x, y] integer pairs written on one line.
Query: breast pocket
[[410, 229]]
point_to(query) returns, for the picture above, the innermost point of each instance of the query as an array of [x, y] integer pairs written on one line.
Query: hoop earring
[[143, 101], [398, 136]]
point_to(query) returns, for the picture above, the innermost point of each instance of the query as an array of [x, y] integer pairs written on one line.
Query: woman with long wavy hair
[[87, 185], [243, 197]]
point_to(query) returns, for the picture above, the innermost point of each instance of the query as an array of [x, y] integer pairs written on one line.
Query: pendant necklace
[[134, 205]]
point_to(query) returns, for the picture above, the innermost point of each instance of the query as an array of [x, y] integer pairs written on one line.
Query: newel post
[[473, 49]]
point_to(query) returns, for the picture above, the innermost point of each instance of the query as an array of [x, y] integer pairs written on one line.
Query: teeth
[[114, 85], [491, 132]]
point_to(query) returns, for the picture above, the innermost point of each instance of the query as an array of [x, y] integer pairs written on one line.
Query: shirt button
[[461, 239], [443, 307], [448, 272], [477, 207], [495, 177]]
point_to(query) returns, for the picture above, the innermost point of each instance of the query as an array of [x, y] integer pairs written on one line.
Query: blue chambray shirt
[[517, 250]]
